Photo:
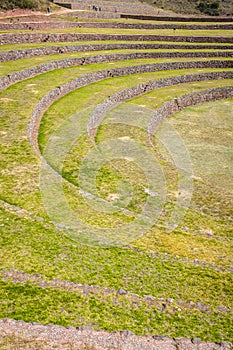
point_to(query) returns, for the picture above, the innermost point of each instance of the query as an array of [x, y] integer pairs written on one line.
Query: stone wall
[[62, 25], [63, 4], [113, 4], [116, 6], [177, 104], [91, 2], [173, 106], [51, 50], [179, 19], [49, 66], [143, 9], [64, 37], [95, 14], [62, 90]]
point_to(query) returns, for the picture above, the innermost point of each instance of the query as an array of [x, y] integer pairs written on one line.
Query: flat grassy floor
[[190, 266]]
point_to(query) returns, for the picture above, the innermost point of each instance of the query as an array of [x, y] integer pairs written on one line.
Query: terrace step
[[179, 18], [161, 304], [15, 77], [12, 55], [84, 338], [25, 214], [62, 25], [68, 37]]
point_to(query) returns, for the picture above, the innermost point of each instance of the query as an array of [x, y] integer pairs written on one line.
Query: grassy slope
[[177, 6], [189, 6], [158, 264], [24, 4], [50, 262]]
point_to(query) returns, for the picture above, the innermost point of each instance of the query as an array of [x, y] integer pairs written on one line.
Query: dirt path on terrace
[[21, 335], [26, 13]]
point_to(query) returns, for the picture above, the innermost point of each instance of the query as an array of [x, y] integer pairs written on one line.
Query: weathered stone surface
[[62, 25], [61, 338], [68, 37], [49, 66], [52, 50], [55, 94]]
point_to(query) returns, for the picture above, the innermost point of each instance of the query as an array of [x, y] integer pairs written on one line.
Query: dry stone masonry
[[64, 37], [52, 50], [62, 90], [168, 108], [62, 25], [177, 104], [46, 67]]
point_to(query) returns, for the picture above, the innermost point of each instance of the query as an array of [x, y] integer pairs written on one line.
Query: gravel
[[34, 336]]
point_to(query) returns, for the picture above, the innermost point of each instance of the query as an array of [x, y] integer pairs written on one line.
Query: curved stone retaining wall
[[49, 66], [62, 25], [62, 90], [102, 109], [177, 104], [50, 37], [51, 50]]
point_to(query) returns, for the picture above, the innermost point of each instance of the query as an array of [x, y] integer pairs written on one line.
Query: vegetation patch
[[175, 282], [24, 4]]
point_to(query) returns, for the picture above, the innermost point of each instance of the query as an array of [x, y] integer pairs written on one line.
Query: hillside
[[206, 7], [116, 178], [23, 4]]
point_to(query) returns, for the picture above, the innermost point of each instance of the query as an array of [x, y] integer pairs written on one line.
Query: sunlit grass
[[170, 32], [191, 263]]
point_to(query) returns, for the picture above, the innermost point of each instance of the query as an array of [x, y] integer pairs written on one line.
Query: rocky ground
[[27, 13], [19, 12], [34, 336]]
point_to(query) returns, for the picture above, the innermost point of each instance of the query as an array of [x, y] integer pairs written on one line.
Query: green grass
[[191, 244], [31, 198], [190, 7], [15, 66], [178, 32], [33, 246], [191, 263], [95, 93], [108, 313], [28, 4], [22, 46]]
